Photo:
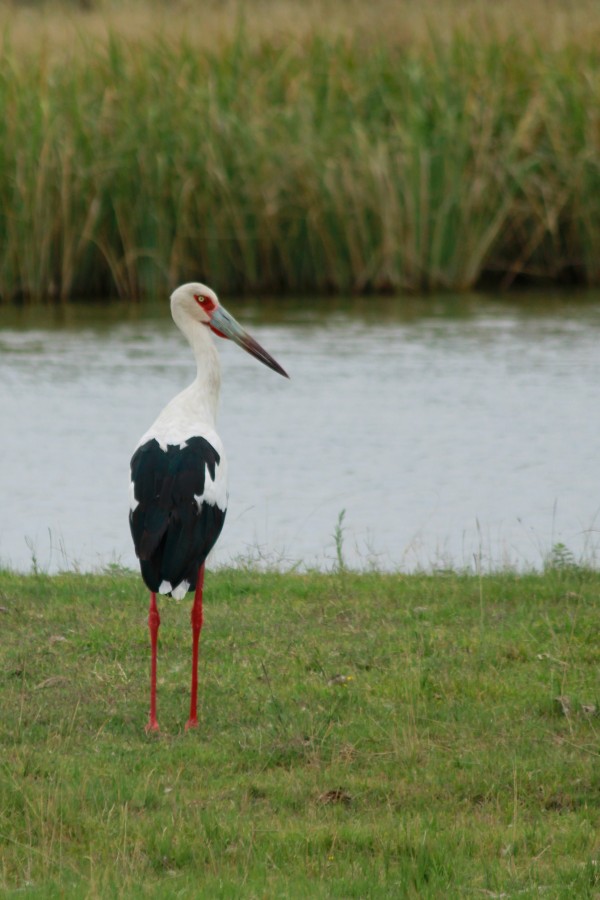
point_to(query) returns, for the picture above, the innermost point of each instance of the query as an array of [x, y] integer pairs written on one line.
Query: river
[[451, 432]]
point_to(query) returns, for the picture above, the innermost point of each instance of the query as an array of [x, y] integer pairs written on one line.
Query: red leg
[[196, 628], [153, 623]]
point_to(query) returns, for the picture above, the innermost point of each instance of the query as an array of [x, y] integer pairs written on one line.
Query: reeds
[[298, 165]]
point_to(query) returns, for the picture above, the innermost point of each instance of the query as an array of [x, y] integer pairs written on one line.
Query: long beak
[[223, 324]]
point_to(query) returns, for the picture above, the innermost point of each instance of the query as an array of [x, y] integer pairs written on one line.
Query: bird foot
[[152, 726], [192, 722]]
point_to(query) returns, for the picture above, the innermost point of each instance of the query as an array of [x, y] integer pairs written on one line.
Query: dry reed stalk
[[64, 29]]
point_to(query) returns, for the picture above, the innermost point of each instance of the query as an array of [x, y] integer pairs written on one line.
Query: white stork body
[[178, 491]]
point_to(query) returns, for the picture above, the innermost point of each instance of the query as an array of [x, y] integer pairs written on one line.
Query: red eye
[[205, 302]]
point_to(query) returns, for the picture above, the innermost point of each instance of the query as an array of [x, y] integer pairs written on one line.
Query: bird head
[[200, 303]]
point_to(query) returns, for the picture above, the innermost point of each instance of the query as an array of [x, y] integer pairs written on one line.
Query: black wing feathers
[[172, 536]]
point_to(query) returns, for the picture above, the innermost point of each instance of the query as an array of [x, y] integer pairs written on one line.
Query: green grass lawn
[[360, 736]]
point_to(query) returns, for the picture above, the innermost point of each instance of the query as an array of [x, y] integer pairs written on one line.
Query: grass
[[263, 156], [361, 736]]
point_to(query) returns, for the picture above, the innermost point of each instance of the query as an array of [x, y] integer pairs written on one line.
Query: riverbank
[[335, 161], [360, 736]]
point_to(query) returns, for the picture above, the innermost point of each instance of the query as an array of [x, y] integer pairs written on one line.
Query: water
[[451, 432]]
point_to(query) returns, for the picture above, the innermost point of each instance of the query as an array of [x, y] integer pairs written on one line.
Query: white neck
[[207, 384], [194, 410]]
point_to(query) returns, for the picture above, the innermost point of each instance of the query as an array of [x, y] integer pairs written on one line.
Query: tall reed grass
[[298, 165]]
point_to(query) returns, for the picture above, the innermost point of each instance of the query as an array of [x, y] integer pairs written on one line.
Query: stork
[[178, 491]]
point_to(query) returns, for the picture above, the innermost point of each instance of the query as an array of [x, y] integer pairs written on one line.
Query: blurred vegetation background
[[287, 146]]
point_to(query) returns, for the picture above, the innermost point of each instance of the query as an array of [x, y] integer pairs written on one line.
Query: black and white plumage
[[178, 509], [178, 491]]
